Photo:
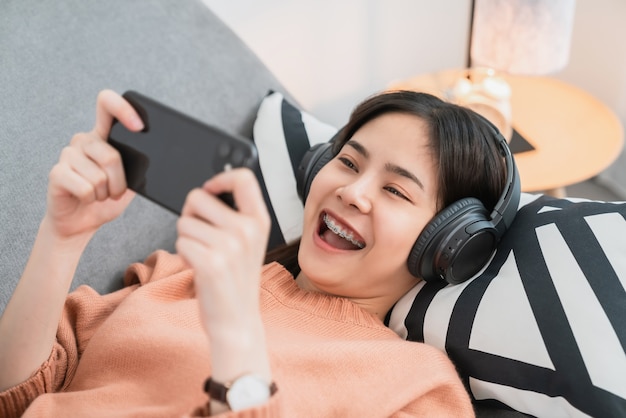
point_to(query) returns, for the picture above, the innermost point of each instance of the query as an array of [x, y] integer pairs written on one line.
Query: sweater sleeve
[[15, 400], [83, 313]]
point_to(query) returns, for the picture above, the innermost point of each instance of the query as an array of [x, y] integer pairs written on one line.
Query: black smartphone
[[175, 153]]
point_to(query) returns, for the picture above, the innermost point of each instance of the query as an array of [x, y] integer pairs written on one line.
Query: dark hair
[[463, 144]]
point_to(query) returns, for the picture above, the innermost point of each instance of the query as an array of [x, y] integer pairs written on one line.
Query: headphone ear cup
[[455, 244], [312, 162]]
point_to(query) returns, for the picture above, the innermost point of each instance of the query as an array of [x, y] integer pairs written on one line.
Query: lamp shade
[[528, 37]]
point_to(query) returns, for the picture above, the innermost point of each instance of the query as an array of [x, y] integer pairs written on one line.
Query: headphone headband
[[505, 208]]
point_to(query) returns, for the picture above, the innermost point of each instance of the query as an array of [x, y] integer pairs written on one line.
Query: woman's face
[[366, 208]]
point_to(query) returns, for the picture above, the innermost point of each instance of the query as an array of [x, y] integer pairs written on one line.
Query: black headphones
[[459, 240]]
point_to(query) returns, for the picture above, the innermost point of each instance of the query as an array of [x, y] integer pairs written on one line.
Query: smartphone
[[175, 153]]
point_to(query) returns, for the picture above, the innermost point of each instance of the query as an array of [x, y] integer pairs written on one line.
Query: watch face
[[246, 392]]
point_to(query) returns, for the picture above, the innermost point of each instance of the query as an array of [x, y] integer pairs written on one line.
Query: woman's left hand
[[225, 246]]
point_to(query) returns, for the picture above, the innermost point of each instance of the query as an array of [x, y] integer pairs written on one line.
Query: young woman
[[271, 345]]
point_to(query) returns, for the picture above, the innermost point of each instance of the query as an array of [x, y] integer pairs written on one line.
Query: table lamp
[[521, 37]]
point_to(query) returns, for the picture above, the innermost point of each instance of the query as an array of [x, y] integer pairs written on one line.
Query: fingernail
[[136, 123]]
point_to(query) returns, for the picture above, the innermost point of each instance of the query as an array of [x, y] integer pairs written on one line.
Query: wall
[[598, 65], [332, 53], [598, 55]]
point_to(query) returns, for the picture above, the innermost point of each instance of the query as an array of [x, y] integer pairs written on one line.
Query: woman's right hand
[[87, 187]]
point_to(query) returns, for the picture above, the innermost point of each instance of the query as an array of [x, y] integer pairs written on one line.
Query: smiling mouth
[[336, 235]]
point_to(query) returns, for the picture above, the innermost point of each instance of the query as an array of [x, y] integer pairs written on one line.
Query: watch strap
[[217, 391]]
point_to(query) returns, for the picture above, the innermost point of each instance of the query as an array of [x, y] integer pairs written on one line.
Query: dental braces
[[338, 231]]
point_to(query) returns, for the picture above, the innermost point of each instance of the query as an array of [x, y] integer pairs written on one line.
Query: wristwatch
[[244, 392]]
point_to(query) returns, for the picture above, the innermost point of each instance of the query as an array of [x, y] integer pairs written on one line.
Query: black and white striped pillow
[[282, 134], [542, 329]]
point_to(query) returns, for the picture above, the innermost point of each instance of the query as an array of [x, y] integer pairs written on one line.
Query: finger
[[243, 184], [193, 228], [232, 232], [110, 106], [196, 255], [217, 226], [87, 169], [209, 208], [64, 180], [207, 235], [106, 157], [109, 160]]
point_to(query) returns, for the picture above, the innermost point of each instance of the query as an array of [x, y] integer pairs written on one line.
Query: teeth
[[340, 232]]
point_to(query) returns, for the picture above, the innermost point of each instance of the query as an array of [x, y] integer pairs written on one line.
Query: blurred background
[[331, 54]]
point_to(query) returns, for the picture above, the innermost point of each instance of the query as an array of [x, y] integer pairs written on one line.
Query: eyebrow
[[390, 167]]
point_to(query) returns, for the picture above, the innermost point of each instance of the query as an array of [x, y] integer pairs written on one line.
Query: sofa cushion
[[541, 328], [56, 56]]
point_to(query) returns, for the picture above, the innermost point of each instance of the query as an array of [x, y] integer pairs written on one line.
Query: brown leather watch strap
[[216, 390]]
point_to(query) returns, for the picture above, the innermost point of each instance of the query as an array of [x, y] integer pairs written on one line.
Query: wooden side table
[[574, 135]]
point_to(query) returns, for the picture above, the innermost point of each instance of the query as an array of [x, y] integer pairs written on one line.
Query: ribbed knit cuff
[[15, 400]]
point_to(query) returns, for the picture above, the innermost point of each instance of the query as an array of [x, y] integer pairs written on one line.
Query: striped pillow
[[542, 329], [283, 134]]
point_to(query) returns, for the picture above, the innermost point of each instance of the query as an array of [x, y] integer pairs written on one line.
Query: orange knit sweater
[[141, 351]]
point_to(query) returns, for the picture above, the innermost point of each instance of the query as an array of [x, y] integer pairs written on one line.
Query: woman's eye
[[395, 191], [348, 163]]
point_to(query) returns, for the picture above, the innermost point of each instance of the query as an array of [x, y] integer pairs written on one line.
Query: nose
[[357, 194]]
